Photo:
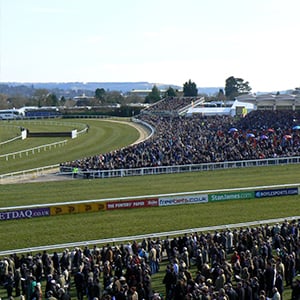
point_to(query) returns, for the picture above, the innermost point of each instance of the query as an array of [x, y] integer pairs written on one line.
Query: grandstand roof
[[283, 100]]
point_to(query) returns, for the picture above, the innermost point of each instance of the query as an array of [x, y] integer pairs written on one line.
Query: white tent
[[217, 111]]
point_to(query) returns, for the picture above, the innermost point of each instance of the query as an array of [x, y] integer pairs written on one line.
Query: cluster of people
[[181, 140], [255, 263], [246, 264], [169, 105], [120, 272]]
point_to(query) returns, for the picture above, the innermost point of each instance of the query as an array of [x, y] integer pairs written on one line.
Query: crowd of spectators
[[181, 140], [255, 263], [169, 105]]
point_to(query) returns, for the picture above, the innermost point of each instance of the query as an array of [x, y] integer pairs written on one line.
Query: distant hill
[[209, 90], [78, 88], [123, 87]]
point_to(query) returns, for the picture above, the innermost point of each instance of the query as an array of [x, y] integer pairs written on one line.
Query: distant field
[[103, 136]]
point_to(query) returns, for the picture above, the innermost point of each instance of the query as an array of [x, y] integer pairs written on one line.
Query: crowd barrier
[[182, 168], [30, 172], [120, 240]]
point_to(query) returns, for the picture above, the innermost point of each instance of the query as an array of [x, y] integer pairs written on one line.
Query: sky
[[158, 41]]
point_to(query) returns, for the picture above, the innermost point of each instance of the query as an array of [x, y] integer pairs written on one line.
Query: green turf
[[7, 132], [103, 136], [72, 228], [83, 189]]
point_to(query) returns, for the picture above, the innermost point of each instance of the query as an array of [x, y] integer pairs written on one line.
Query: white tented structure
[[236, 108]]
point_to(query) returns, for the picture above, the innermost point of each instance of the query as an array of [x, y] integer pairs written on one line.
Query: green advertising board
[[231, 196]]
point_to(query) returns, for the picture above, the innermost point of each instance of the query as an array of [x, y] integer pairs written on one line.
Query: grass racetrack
[[90, 226], [104, 136]]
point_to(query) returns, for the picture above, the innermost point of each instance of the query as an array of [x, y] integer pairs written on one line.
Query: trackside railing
[[120, 240], [146, 125], [11, 140], [180, 168], [32, 172], [38, 149]]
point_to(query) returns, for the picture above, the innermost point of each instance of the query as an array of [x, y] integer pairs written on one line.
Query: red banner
[[131, 204]]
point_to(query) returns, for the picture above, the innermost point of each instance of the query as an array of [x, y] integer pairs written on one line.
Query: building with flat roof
[[272, 101]]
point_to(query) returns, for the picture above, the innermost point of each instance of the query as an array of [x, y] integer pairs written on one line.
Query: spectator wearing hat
[[185, 257]]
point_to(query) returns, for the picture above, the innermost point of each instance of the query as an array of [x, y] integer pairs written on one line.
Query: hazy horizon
[[155, 41]]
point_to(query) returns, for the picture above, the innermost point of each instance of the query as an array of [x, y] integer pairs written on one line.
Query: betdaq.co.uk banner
[[276, 192], [183, 200], [231, 196], [25, 213]]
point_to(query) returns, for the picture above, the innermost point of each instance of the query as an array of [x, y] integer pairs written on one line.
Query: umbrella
[[250, 135], [263, 137], [297, 127], [287, 137], [271, 130], [233, 130]]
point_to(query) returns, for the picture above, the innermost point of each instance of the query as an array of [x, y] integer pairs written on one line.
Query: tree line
[[101, 97], [233, 88]]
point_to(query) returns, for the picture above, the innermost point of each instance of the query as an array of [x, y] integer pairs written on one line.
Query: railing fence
[[120, 240], [68, 170], [13, 155]]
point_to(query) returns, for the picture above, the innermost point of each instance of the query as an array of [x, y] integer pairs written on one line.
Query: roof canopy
[[271, 99]]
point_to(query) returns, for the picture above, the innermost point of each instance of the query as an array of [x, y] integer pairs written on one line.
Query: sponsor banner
[[131, 204], [25, 213], [76, 208], [276, 193], [183, 200], [91, 207], [231, 196], [63, 209]]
